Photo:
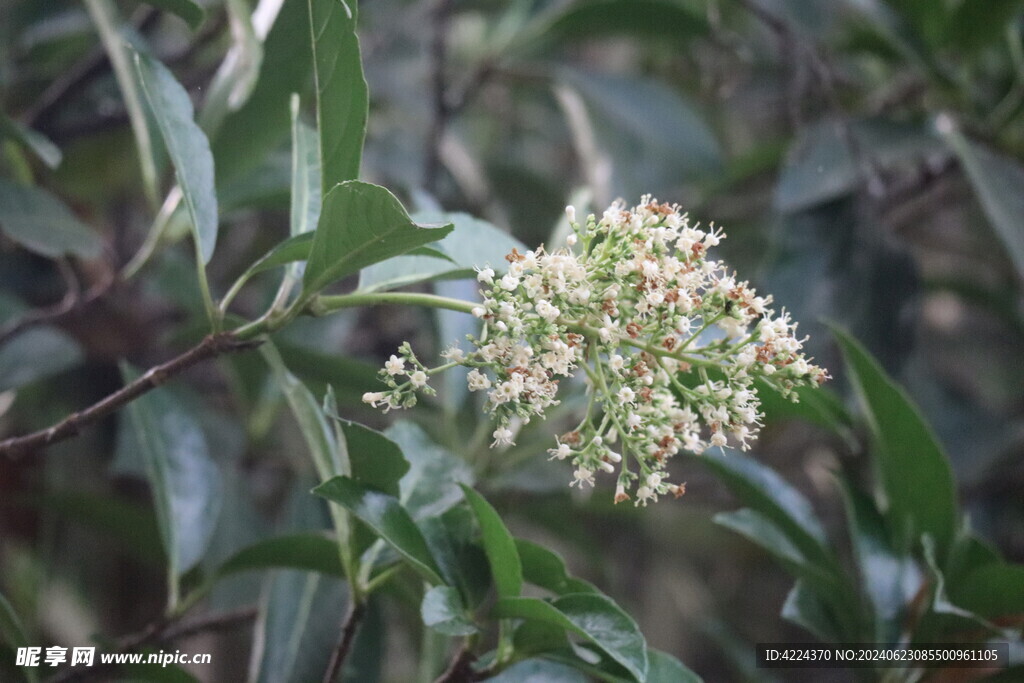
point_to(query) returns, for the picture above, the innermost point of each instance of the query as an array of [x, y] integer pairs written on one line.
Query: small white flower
[[547, 311], [477, 381], [718, 439], [561, 453], [485, 275], [654, 480], [394, 365], [571, 239], [479, 311], [374, 398], [627, 395], [633, 421], [418, 379], [582, 476], [502, 437], [509, 282], [644, 494]]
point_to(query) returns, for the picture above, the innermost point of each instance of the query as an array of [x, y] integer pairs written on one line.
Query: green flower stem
[[324, 304]]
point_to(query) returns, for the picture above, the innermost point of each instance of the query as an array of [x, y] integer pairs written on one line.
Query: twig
[[356, 612], [72, 301], [210, 346], [460, 670], [162, 631]]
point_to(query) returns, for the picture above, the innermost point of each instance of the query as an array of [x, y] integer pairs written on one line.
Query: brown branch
[[161, 631], [356, 612], [210, 346], [460, 670], [74, 299]]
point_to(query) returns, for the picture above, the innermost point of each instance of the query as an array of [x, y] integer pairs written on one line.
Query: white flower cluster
[[670, 342]]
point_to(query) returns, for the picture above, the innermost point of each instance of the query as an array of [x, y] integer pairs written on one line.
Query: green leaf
[[117, 43], [342, 97], [361, 224], [975, 24], [442, 611], [313, 552], [665, 667], [998, 182], [288, 250], [14, 634], [546, 569], [375, 460], [40, 145], [189, 11], [248, 135], [539, 671], [647, 19], [653, 146], [805, 608], [431, 486], [188, 148], [820, 166], [472, 242], [184, 480], [38, 221], [995, 590], [316, 431], [593, 617], [306, 191], [884, 574], [827, 581], [297, 628], [764, 490], [387, 518], [236, 77], [34, 354], [506, 567], [915, 474]]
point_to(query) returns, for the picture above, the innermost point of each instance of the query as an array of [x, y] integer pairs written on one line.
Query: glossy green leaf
[[188, 148], [306, 191], [248, 135], [39, 144], [454, 543], [188, 10], [118, 45], [998, 182], [342, 97], [297, 628], [546, 569], [506, 568], [764, 490], [38, 221], [442, 611], [472, 242], [431, 486], [361, 224], [593, 617], [915, 474], [184, 480], [312, 552], [375, 460], [387, 518], [34, 354], [887, 578]]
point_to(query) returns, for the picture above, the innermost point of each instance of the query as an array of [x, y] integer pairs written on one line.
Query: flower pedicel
[[669, 340]]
